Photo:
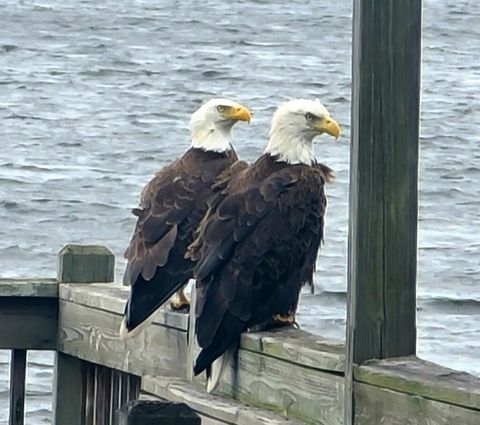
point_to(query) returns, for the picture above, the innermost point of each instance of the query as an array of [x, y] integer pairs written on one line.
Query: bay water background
[[96, 96]]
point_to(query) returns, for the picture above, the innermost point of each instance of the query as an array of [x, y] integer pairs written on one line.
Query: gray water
[[95, 96]]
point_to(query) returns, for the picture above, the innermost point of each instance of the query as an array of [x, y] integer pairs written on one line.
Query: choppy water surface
[[95, 96]]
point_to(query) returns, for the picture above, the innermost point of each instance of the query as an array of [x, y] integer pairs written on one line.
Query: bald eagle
[[258, 243], [171, 207]]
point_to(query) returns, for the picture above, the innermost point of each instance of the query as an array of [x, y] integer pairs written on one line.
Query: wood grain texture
[[18, 368], [115, 402], [298, 347], [102, 393], [383, 204], [92, 335], [414, 376], [219, 408], [89, 393], [38, 288], [69, 390], [28, 323], [375, 405], [384, 177], [294, 391], [112, 298], [85, 264]]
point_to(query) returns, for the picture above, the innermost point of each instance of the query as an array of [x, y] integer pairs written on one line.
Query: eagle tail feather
[[216, 370]]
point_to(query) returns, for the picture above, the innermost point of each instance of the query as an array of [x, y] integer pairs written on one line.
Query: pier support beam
[[383, 183], [74, 394]]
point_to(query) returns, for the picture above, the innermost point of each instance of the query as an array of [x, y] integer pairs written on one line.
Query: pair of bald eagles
[[248, 234]]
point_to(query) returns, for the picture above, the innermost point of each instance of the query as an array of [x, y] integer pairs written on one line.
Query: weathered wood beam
[[28, 323], [85, 264], [384, 178], [69, 381], [383, 206], [38, 288], [218, 409], [375, 405], [18, 367], [290, 389], [414, 376], [91, 334], [73, 403]]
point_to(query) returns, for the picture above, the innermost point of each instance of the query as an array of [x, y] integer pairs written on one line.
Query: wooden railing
[[276, 375]]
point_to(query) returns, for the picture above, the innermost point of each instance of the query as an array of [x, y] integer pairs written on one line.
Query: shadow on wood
[[141, 412]]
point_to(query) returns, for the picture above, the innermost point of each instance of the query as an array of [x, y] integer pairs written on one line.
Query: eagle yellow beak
[[328, 125], [238, 113]]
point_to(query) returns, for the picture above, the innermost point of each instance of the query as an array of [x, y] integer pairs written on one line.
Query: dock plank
[[419, 377], [92, 335], [112, 298], [290, 389], [28, 323], [39, 288], [218, 408], [298, 347], [376, 405]]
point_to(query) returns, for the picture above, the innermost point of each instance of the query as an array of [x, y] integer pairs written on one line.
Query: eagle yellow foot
[[180, 302], [285, 320]]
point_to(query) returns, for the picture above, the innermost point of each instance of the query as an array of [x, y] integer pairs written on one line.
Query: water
[[95, 96]]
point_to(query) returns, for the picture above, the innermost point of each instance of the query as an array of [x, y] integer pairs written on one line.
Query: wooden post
[[140, 412], [383, 182], [18, 366], [77, 264]]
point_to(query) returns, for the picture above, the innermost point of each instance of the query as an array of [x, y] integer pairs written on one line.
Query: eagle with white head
[[258, 244], [171, 207]]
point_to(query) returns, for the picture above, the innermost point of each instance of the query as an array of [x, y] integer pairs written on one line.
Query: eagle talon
[[180, 302], [284, 320]]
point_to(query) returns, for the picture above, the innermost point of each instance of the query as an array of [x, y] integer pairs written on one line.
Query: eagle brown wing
[[255, 252], [171, 207]]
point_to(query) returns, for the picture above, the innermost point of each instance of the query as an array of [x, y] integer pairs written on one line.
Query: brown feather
[[255, 249]]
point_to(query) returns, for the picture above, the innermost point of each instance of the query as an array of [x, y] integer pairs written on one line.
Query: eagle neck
[[214, 138], [291, 147]]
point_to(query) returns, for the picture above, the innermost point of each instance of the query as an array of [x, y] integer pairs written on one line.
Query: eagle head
[[294, 126], [212, 123]]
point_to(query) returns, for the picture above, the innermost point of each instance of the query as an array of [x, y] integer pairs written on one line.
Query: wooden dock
[[286, 376], [279, 377]]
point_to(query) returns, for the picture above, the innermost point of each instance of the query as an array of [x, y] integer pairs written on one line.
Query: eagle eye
[[309, 116], [221, 108]]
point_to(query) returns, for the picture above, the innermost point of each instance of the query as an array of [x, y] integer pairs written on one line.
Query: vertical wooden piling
[[18, 367], [383, 182], [72, 392], [141, 412]]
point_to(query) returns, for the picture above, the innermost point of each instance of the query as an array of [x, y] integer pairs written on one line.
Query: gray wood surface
[[92, 335], [28, 323], [384, 177], [102, 395], [69, 390], [418, 377], [112, 298], [18, 368], [294, 391], [213, 406], [383, 204], [298, 347], [85, 264], [47, 288], [378, 406]]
